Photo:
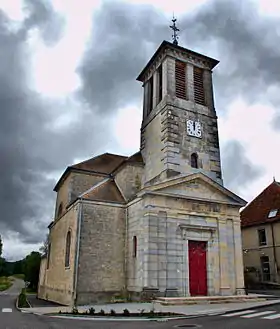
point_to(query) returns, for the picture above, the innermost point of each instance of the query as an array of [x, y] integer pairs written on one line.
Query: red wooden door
[[197, 268]]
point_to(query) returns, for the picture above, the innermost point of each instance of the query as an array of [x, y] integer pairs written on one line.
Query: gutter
[[75, 281], [125, 248]]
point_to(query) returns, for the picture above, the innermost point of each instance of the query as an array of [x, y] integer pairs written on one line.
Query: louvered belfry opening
[[198, 86], [180, 79]]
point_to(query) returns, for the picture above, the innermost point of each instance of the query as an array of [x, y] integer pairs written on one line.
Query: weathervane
[[175, 30]]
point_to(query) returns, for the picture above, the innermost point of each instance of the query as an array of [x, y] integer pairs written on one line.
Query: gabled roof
[[158, 188], [104, 164], [257, 211], [165, 44]]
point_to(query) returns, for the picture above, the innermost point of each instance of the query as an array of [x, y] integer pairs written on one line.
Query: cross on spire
[[175, 30]]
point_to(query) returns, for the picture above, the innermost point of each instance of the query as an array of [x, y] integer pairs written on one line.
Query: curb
[[20, 309], [243, 309]]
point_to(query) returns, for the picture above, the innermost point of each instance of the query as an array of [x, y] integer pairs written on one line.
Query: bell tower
[[179, 132]]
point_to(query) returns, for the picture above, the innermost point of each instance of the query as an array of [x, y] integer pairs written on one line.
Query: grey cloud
[[245, 43], [238, 170], [31, 147]]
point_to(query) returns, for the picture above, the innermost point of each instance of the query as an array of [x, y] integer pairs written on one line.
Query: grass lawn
[[19, 276], [5, 283]]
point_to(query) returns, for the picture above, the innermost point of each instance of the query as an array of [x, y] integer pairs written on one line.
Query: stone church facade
[[157, 223]]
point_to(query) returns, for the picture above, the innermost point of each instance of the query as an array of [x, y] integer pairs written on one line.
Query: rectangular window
[[180, 79], [160, 83], [198, 86], [150, 94], [262, 237], [265, 268]]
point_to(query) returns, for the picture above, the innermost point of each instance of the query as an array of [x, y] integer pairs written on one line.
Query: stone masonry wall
[[129, 180], [172, 222], [101, 259], [58, 283]]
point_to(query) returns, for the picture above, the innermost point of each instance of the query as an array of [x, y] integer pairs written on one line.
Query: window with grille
[[199, 97], [180, 79]]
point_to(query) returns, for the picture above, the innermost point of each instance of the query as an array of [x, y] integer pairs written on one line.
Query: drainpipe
[[75, 281], [125, 250], [274, 251]]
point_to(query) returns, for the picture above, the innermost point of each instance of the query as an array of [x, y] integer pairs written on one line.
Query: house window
[[272, 213], [180, 79], [199, 97], [59, 211], [262, 237], [49, 256], [67, 250], [194, 160], [150, 95], [160, 83], [265, 268], [134, 246]]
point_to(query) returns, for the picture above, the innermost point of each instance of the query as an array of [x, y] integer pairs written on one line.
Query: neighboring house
[[159, 222], [260, 222]]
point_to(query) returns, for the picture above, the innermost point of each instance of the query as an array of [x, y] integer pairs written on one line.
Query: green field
[[5, 283], [19, 276]]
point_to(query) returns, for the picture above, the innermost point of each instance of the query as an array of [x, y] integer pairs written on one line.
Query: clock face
[[194, 128]]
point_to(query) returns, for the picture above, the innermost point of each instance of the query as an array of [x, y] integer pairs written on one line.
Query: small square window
[[272, 213]]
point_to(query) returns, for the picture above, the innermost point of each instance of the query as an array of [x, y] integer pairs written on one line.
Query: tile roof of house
[[108, 191], [257, 211]]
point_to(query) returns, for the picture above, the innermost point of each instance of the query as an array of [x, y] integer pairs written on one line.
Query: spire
[[175, 30]]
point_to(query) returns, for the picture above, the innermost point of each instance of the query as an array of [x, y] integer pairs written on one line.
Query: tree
[[32, 268], [1, 245], [44, 249]]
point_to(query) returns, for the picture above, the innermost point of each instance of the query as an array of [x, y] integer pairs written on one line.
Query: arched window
[[134, 246], [67, 250], [194, 160], [59, 211]]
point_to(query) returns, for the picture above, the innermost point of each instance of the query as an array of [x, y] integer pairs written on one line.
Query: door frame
[[198, 233]]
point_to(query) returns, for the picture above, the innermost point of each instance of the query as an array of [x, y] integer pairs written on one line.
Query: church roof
[[104, 164], [265, 208], [108, 191], [165, 44]]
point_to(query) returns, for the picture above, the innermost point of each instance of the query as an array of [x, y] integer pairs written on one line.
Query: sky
[[68, 89]]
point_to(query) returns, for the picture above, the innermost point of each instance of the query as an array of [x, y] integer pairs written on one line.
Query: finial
[[274, 179], [175, 30]]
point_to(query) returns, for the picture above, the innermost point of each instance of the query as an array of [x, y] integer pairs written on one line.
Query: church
[[156, 223]]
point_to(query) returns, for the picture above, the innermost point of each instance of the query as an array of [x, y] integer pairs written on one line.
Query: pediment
[[197, 186]]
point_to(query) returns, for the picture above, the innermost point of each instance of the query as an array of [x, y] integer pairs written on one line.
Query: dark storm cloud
[[122, 40], [237, 168], [246, 44], [31, 147]]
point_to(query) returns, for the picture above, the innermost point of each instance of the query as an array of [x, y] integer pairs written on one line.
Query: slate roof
[[257, 211]]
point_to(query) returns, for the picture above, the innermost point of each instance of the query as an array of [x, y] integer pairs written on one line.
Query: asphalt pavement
[[11, 318]]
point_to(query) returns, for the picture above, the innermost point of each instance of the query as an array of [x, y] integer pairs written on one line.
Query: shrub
[[91, 311], [102, 312], [126, 312], [22, 301], [113, 312]]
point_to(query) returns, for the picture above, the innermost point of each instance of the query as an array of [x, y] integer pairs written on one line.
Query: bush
[[22, 301], [75, 310], [113, 312], [91, 311], [102, 312], [126, 312]]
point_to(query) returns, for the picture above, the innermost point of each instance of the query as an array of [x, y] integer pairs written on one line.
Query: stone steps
[[207, 300]]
